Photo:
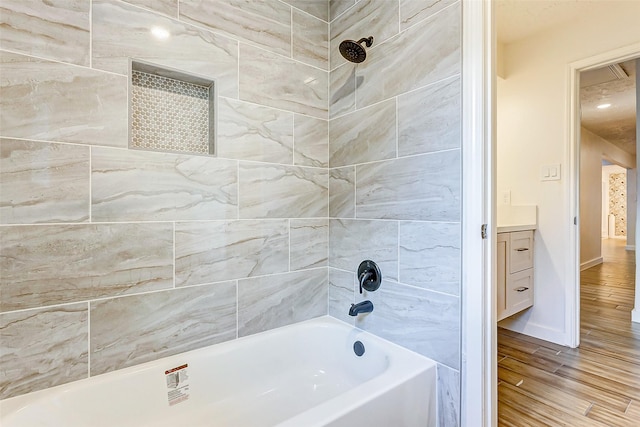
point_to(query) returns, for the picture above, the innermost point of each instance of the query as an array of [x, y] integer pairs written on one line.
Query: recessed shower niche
[[170, 110]]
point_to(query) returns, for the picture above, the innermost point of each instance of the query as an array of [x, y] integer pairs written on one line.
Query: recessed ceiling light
[[160, 33], [603, 106]]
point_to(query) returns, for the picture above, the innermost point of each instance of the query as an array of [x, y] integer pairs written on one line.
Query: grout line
[[90, 185], [291, 31], [398, 254], [91, 34], [244, 101], [237, 309], [397, 128], [293, 140], [88, 339], [289, 223]]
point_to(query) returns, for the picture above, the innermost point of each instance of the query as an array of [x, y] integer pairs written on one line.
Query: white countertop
[[508, 228]]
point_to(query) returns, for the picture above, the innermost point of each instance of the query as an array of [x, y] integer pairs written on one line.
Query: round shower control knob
[[369, 276]]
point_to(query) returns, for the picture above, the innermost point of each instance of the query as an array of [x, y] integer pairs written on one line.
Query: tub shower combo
[[320, 372]]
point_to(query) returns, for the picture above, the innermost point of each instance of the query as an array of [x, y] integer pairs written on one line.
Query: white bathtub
[[301, 375]]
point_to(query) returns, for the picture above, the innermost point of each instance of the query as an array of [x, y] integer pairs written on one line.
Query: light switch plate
[[550, 172]]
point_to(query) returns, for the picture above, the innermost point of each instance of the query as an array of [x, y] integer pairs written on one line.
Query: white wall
[[635, 314], [592, 150], [532, 115], [632, 207]]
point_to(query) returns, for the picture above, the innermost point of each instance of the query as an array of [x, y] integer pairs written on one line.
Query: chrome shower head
[[353, 51]]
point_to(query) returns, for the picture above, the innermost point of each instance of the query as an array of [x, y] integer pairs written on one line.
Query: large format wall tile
[[57, 102], [279, 300], [342, 192], [317, 8], [54, 264], [368, 18], [429, 118], [311, 137], [353, 241], [167, 7], [277, 191], [338, 7], [309, 243], [342, 288], [430, 255], [209, 252], [423, 321], [342, 90], [425, 187], [42, 182], [53, 29], [414, 11], [363, 136], [139, 328], [42, 348], [273, 80], [448, 396], [130, 185], [253, 132], [121, 31], [266, 23], [423, 54], [310, 40]]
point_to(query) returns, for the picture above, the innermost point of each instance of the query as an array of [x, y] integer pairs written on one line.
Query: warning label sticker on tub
[[177, 384]]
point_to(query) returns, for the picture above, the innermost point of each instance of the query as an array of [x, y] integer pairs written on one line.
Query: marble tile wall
[[320, 164], [394, 177], [111, 256]]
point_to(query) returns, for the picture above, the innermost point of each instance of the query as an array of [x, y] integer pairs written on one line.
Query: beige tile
[[425, 187], [423, 54], [42, 348], [52, 29], [353, 241], [273, 301], [46, 100], [121, 31], [342, 90], [311, 138], [317, 8], [253, 132], [166, 7], [140, 328], [309, 245], [338, 7], [420, 320], [363, 136], [213, 251], [42, 182], [342, 288], [270, 79], [310, 40], [277, 191], [377, 18], [430, 255], [265, 23], [429, 118], [132, 185], [342, 192], [414, 11], [43, 265]]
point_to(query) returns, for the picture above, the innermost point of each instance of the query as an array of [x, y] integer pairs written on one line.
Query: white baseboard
[[630, 247], [635, 315], [591, 263], [534, 330]]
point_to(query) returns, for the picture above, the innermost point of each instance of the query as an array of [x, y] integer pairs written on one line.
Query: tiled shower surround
[[111, 257]]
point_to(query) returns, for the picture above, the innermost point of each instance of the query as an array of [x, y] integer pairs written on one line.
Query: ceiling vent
[[606, 74]]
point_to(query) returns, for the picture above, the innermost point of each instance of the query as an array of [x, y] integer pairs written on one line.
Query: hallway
[[598, 384]]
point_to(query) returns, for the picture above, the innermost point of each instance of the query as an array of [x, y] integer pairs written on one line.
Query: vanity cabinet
[[515, 272]]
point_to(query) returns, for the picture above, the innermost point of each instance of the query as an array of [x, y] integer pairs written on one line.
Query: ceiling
[[519, 19]]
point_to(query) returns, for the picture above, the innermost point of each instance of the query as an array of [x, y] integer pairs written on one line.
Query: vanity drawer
[[521, 251], [519, 292]]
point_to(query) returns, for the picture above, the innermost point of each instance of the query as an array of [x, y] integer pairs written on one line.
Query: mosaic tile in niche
[[169, 114]]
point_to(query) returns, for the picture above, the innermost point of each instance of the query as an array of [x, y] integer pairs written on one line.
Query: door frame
[[478, 397], [625, 53]]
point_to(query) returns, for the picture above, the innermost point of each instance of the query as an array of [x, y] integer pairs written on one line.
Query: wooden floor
[[598, 384]]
